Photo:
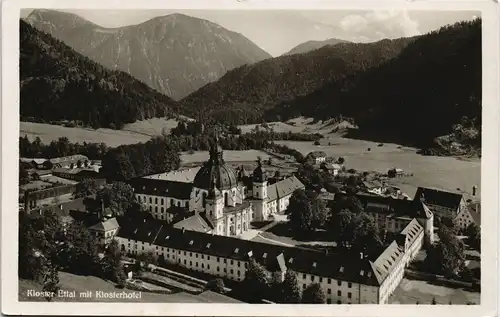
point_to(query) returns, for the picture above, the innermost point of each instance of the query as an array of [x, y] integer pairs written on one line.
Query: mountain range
[[174, 54], [246, 93], [431, 90], [313, 45], [56, 83]]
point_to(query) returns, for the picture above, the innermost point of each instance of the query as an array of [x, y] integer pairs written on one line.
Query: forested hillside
[[432, 89], [57, 83], [244, 94]]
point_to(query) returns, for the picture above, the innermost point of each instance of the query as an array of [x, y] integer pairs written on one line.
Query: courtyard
[[423, 292]]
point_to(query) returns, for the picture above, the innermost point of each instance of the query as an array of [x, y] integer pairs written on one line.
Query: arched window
[[156, 200], [226, 199], [150, 200]]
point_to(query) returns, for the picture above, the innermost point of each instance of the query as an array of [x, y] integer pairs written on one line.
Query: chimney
[[474, 188], [183, 230]]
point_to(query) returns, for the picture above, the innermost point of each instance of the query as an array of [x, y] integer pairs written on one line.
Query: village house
[[442, 203], [57, 162], [344, 278], [331, 168], [395, 172], [316, 157], [470, 214]]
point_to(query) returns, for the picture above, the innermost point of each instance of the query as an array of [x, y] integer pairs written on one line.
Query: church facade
[[219, 200]]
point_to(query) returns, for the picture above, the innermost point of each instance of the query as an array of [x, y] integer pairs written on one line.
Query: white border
[[10, 128]]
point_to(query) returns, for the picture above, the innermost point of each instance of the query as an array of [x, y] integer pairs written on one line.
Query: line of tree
[[61, 147]]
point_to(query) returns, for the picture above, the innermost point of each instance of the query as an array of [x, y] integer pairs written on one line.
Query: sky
[[279, 31]]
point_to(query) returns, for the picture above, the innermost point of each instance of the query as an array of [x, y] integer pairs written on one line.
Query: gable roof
[[145, 231], [387, 261], [316, 154], [283, 188], [475, 212], [438, 197], [106, 225], [161, 187], [193, 223]]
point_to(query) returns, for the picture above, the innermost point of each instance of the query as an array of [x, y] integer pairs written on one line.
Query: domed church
[[219, 200]]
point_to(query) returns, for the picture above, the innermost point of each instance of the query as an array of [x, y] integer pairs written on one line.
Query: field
[[71, 282], [48, 133], [446, 173]]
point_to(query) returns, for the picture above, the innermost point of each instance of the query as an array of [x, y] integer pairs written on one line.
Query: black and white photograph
[[260, 157]]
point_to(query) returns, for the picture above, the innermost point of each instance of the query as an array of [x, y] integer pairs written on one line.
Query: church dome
[[223, 175], [215, 172]]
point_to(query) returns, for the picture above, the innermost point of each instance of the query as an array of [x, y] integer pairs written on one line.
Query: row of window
[[329, 280], [162, 201]]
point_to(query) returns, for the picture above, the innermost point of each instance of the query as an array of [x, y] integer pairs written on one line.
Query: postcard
[[250, 158]]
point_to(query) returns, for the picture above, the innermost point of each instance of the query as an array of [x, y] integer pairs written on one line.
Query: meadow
[[447, 173], [48, 133]]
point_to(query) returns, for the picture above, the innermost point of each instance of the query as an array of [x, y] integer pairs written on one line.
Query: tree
[[24, 176], [256, 281], [216, 285], [446, 257], [119, 197], [112, 267], [86, 187], [79, 252], [300, 213], [290, 288], [51, 281], [319, 213], [474, 236], [313, 294]]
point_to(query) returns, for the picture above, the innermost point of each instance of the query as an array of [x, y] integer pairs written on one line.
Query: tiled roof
[[316, 154], [283, 188], [185, 175], [193, 223], [475, 213], [387, 261], [160, 187], [412, 231], [336, 266], [438, 197], [145, 231], [389, 205], [106, 225]]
